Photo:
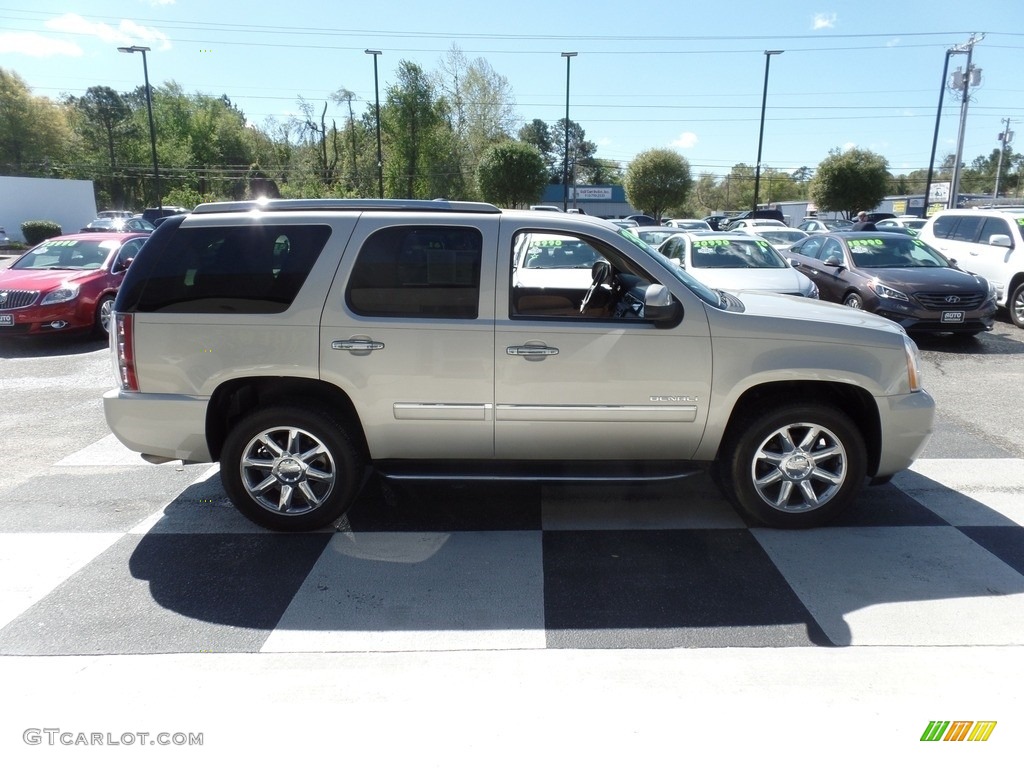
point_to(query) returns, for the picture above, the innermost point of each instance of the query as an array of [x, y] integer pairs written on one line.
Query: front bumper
[[906, 425]]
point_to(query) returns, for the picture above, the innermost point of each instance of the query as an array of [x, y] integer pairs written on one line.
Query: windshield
[[878, 253], [66, 254], [705, 294], [720, 253]]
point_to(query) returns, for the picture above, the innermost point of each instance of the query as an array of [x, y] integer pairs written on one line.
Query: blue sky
[[679, 75]]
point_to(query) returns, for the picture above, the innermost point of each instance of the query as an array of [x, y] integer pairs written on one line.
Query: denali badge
[[673, 399]]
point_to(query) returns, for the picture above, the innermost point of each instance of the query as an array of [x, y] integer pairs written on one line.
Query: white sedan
[[733, 261]]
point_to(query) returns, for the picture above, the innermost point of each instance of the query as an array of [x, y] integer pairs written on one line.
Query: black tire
[[1016, 306], [101, 320], [290, 469], [853, 300], [794, 467]]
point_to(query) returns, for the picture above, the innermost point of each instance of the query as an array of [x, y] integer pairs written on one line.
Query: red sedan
[[66, 283]]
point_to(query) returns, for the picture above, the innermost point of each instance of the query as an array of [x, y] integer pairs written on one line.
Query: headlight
[[886, 292], [62, 294], [991, 291], [812, 291], [913, 364]]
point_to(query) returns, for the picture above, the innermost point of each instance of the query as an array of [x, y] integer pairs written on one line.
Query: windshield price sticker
[[865, 243], [711, 243], [547, 243]]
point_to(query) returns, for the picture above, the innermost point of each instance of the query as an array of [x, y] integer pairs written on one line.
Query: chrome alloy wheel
[[105, 310], [287, 470], [799, 468]]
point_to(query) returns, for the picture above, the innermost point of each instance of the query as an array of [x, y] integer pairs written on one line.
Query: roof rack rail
[[345, 205]]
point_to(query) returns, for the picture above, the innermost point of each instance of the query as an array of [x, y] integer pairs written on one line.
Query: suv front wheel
[[290, 469], [1016, 305], [795, 467]]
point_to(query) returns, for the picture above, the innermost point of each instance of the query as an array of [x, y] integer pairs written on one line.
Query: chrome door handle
[[531, 351], [357, 345]]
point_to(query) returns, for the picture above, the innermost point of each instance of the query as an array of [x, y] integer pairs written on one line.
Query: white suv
[[301, 343], [988, 242]]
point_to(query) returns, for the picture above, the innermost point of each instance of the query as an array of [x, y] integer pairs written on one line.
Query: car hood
[[42, 279], [796, 315], [917, 279], [770, 280]]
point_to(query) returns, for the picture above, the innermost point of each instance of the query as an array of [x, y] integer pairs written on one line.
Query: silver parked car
[[738, 260], [301, 343]]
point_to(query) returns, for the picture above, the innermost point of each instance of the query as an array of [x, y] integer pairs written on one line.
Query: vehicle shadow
[[49, 346], [436, 566]]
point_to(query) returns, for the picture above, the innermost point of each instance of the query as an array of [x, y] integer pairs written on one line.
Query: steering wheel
[[600, 273]]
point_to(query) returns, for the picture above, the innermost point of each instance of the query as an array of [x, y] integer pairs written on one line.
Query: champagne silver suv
[[303, 343]]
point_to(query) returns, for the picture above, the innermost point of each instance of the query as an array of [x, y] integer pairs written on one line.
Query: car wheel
[[795, 467], [290, 469], [1016, 306], [101, 323], [853, 300]]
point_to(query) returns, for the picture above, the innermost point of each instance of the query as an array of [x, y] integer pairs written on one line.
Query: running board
[[532, 471]]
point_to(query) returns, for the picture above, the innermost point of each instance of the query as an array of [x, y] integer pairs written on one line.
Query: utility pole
[[963, 81], [1004, 138]]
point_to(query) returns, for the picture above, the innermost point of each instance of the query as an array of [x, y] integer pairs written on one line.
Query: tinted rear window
[[243, 270]]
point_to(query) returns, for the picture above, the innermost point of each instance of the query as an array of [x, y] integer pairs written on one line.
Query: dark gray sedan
[[897, 277]]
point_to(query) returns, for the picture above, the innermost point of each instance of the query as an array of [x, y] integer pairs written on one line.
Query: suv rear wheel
[[290, 469], [795, 467]]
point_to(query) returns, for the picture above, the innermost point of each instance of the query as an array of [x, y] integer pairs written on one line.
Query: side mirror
[[1003, 241], [833, 261], [660, 307]]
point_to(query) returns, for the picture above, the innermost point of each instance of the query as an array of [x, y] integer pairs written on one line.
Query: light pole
[[760, 136], [376, 96], [152, 126], [935, 137], [565, 170]]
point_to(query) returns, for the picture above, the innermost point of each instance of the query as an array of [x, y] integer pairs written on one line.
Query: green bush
[[37, 231]]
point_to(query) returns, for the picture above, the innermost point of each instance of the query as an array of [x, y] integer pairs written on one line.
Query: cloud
[[686, 140], [824, 21], [36, 45], [126, 33]]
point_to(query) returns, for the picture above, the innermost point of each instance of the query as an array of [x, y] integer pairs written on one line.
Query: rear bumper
[[165, 426]]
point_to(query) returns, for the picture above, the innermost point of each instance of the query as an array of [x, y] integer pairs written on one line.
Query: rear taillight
[[124, 352]]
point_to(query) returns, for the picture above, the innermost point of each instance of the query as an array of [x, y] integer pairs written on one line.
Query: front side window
[[418, 272], [994, 226], [832, 249]]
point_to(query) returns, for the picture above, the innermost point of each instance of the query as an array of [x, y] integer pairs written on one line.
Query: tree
[[480, 108], [538, 133], [104, 120], [656, 180], [419, 164], [511, 174], [35, 134], [856, 179]]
